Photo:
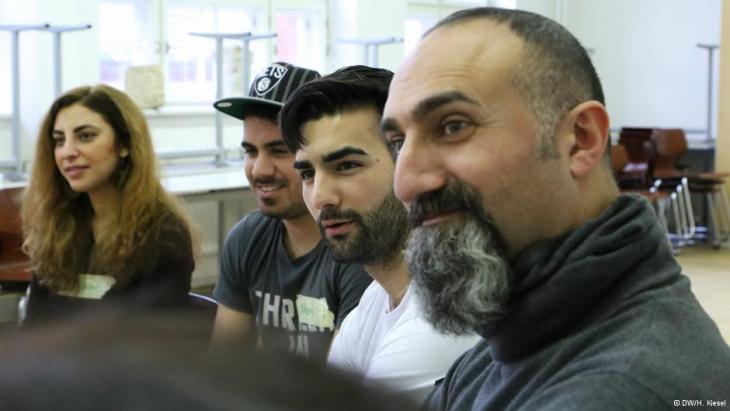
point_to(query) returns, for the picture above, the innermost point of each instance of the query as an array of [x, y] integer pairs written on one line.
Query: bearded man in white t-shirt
[[347, 183]]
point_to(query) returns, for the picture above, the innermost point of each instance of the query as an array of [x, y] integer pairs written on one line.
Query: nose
[[68, 149], [323, 193], [418, 170], [262, 166]]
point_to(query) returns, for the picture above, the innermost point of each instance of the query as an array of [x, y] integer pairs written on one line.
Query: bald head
[[479, 103]]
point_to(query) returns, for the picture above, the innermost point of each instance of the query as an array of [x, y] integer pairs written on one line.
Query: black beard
[[295, 209], [380, 239], [458, 267]]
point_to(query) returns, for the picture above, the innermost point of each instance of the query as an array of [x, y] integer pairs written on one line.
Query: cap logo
[[269, 78]]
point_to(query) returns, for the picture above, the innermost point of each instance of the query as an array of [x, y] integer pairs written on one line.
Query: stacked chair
[[670, 144], [632, 176], [649, 167]]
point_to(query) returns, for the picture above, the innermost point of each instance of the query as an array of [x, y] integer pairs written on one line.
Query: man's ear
[[589, 124]]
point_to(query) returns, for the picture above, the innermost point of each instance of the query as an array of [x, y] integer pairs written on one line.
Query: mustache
[[269, 180], [453, 198], [332, 213]]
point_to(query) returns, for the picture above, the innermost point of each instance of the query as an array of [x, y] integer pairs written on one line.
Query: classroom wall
[[645, 52], [722, 152], [548, 8]]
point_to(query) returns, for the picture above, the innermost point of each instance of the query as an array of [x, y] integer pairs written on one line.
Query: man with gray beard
[[461, 269], [347, 173], [520, 233]]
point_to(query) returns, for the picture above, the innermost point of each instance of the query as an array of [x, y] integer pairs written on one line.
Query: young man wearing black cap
[[278, 286]]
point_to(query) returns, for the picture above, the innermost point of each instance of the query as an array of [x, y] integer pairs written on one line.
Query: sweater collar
[[559, 282]]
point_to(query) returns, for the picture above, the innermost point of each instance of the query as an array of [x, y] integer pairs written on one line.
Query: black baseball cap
[[271, 87]]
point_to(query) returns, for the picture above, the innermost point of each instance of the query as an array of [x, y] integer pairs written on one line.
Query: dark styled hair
[[555, 73], [344, 90]]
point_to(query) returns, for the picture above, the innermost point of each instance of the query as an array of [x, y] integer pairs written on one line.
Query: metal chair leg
[[679, 234], [689, 212]]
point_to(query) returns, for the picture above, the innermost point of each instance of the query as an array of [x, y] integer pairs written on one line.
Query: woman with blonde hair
[[99, 227]]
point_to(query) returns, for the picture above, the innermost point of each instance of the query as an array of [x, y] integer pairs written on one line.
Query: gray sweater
[[600, 319]]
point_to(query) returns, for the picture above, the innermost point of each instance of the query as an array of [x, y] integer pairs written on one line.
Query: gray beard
[[460, 273]]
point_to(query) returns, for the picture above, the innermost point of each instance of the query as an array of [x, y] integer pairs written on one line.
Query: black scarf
[[565, 282]]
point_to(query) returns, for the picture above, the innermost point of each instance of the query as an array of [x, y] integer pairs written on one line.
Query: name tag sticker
[[91, 286], [315, 312]]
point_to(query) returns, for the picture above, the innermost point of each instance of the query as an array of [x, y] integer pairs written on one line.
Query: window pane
[[6, 10], [191, 60], [127, 31], [5, 74], [300, 38], [118, 36]]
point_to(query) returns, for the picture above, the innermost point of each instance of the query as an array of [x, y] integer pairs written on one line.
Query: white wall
[[645, 52], [548, 8], [722, 153]]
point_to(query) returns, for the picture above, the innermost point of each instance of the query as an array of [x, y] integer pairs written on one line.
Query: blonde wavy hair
[[57, 220]]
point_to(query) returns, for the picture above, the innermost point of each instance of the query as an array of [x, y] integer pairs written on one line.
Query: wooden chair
[[662, 201], [670, 145], [641, 154], [14, 263]]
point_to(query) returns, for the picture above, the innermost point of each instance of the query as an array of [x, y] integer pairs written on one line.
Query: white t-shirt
[[396, 349]]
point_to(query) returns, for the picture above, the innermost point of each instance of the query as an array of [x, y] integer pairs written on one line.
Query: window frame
[[155, 30]]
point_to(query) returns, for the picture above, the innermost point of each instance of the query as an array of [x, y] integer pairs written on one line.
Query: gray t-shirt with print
[[297, 303]]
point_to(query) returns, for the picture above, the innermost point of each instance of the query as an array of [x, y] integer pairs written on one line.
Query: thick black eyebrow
[[388, 125], [434, 102], [270, 145], [302, 165], [425, 107], [276, 144], [343, 152], [333, 156]]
